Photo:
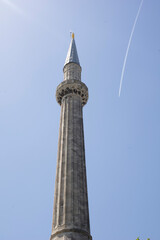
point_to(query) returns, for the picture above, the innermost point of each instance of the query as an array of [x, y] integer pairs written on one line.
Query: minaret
[[70, 212]]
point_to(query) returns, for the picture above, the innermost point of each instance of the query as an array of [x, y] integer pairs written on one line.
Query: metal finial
[[72, 35]]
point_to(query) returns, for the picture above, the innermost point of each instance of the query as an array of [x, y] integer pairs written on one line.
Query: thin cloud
[[13, 7]]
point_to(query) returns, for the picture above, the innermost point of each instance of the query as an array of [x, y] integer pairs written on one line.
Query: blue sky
[[122, 135]]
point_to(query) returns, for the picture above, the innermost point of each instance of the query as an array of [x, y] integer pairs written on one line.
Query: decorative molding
[[67, 230], [72, 87]]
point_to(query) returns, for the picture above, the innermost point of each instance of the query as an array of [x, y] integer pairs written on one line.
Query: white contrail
[[129, 43], [13, 6]]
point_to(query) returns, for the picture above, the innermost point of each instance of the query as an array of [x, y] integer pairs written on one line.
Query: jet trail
[[128, 47]]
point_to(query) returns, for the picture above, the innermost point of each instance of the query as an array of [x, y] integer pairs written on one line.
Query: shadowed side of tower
[[70, 212]]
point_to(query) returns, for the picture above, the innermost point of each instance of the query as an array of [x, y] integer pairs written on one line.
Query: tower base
[[71, 236]]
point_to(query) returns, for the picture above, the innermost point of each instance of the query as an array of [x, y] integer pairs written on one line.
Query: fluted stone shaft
[[70, 213], [72, 71]]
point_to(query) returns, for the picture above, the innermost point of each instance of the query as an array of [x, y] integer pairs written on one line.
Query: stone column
[[70, 213]]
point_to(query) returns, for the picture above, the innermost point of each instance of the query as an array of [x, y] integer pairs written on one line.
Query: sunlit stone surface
[[70, 212]]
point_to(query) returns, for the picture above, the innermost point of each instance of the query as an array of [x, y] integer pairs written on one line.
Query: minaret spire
[[70, 212], [72, 55]]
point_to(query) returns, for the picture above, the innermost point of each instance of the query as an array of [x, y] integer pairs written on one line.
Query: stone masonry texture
[[70, 211]]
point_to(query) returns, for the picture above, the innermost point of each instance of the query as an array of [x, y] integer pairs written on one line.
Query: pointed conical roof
[[72, 55]]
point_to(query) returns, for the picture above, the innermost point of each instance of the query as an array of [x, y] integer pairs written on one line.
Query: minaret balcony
[[72, 87]]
